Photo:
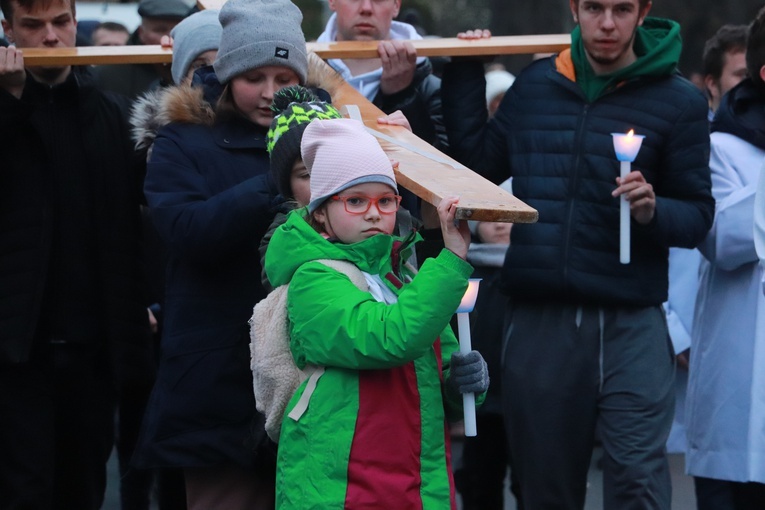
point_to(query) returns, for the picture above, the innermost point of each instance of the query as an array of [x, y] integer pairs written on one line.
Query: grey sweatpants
[[570, 370]]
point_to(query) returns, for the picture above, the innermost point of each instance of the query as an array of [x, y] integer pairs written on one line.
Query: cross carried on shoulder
[[422, 169]]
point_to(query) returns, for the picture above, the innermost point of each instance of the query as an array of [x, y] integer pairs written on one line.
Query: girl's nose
[[374, 211]]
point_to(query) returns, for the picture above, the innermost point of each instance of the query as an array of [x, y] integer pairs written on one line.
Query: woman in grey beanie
[[261, 51], [210, 192]]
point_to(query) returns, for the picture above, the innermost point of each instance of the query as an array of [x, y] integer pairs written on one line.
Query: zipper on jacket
[[572, 192]]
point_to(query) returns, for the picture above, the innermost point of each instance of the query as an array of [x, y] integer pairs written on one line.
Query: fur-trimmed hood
[[194, 104], [158, 108]]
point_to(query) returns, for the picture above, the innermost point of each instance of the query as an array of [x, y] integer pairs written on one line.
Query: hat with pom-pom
[[294, 107], [340, 153]]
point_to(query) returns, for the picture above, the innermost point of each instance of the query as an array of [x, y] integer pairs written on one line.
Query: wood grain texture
[[97, 55], [451, 46], [210, 4], [502, 45]]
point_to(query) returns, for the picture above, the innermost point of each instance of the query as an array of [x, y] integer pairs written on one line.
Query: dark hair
[[31, 5], [225, 108], [641, 3], [111, 26], [755, 49], [727, 39]]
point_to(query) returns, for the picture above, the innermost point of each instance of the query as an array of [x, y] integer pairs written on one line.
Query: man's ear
[[332, 5], [397, 3], [644, 12], [712, 88], [762, 73], [573, 4], [8, 30]]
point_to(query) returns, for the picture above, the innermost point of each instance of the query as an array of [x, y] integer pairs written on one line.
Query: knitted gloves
[[468, 373]]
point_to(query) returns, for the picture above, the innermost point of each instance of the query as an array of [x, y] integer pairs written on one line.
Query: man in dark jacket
[[586, 345], [398, 80], [724, 62], [71, 317]]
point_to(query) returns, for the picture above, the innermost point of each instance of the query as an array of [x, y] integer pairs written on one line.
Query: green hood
[[295, 242], [657, 45]]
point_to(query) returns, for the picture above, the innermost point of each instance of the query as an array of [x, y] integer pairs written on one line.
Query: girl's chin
[[261, 119]]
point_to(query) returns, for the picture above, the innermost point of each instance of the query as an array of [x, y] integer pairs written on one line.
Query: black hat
[[164, 9], [294, 107]]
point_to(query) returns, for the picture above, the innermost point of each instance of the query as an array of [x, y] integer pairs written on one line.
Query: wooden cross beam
[[210, 4], [431, 180], [447, 47], [422, 169]]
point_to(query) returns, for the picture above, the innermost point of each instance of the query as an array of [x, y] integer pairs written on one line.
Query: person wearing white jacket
[[398, 79], [726, 392], [683, 287], [759, 223]]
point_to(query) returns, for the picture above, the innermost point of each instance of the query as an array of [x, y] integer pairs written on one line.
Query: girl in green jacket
[[368, 428]]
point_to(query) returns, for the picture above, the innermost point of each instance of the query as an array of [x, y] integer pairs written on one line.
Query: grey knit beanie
[[193, 36], [258, 33]]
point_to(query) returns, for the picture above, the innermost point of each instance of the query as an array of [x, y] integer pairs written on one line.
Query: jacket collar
[[742, 114], [66, 91]]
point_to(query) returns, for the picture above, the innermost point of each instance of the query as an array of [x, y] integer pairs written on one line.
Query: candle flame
[[631, 132]]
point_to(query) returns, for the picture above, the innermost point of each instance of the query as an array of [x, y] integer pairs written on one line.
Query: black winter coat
[[559, 150], [742, 113], [209, 189], [27, 199]]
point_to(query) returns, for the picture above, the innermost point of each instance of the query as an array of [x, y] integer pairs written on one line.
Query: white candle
[[468, 399], [626, 147], [624, 218], [463, 326]]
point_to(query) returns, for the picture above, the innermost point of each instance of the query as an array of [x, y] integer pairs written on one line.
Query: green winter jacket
[[374, 435]]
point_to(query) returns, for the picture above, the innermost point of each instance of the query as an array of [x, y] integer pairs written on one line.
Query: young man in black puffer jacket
[[586, 346]]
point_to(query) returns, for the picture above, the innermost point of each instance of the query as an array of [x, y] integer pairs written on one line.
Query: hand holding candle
[[463, 323], [626, 147]]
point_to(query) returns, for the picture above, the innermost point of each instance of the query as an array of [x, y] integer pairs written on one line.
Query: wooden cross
[[422, 169]]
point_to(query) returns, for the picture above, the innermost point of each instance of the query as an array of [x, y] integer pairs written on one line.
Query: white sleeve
[[759, 222]]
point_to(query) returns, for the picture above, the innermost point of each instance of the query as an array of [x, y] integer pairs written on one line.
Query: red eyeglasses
[[360, 204]]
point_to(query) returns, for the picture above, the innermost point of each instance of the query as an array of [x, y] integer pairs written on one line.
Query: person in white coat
[[726, 393], [759, 222], [683, 287]]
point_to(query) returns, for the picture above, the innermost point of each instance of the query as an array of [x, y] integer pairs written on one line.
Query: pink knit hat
[[340, 153]]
